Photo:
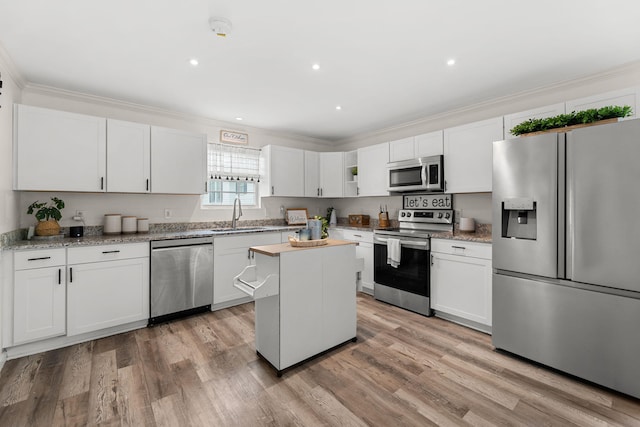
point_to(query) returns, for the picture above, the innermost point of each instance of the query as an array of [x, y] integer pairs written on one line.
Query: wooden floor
[[405, 369]]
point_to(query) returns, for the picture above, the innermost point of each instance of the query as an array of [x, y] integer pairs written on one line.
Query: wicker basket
[[48, 228], [306, 243]]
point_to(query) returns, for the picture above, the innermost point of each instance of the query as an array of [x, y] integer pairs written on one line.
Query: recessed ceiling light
[[338, 107], [451, 62], [238, 118], [316, 66], [194, 62]]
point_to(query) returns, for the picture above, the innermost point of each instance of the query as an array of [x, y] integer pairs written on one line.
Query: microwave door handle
[[423, 175]]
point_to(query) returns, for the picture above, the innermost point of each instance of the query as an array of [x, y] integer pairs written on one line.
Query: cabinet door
[[372, 170], [106, 294], [365, 251], [128, 157], [283, 170], [461, 286], [230, 256], [468, 152], [58, 151], [331, 178], [178, 161], [512, 120], [402, 149], [39, 299], [311, 174], [429, 144]]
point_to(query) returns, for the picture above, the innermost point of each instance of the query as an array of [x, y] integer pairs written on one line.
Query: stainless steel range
[[405, 281]]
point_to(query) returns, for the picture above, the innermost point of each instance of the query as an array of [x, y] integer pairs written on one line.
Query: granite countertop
[[138, 238]]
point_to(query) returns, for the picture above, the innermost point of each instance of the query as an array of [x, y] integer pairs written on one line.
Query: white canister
[[467, 224], [143, 225], [129, 224], [112, 224]]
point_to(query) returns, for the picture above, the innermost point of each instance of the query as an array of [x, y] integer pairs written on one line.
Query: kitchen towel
[[393, 252]]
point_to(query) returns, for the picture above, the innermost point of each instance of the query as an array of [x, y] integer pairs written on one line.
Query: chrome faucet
[[234, 218]]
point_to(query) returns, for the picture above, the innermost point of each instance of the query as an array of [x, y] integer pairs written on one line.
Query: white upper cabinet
[[511, 120], [331, 174], [311, 174], [622, 97], [401, 149], [468, 155], [429, 144], [178, 161], [281, 171], [372, 170], [128, 157], [58, 151], [425, 145]]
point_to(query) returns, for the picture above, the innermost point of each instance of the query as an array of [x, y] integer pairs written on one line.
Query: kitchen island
[[305, 299]]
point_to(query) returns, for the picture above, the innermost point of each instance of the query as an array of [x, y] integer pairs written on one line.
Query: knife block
[[383, 219]]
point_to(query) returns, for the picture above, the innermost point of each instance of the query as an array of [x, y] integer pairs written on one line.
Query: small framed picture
[[297, 216], [234, 137]]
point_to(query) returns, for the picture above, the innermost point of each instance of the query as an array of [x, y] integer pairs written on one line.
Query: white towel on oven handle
[[393, 252]]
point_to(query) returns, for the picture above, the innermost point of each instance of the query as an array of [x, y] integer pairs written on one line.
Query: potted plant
[[47, 214], [354, 172]]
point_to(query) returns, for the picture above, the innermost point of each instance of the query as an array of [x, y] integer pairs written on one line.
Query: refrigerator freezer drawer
[[588, 334]]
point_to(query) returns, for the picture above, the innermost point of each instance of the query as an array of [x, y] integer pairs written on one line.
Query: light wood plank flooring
[[405, 369]]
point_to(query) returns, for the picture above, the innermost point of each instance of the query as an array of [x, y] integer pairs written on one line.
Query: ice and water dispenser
[[519, 218]]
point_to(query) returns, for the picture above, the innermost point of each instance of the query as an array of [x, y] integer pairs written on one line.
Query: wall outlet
[[457, 213], [168, 213]]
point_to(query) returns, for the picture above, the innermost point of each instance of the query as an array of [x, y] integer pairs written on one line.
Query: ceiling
[[383, 62]]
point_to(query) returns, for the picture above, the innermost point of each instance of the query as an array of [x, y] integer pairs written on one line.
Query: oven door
[[412, 275]]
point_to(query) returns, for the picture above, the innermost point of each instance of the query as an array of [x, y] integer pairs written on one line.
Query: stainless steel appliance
[[421, 174], [181, 277], [407, 285], [566, 283]]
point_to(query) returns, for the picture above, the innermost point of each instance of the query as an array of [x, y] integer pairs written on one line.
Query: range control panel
[[426, 216]]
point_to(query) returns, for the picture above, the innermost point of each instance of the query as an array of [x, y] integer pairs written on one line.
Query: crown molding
[[612, 73], [11, 69], [143, 108]]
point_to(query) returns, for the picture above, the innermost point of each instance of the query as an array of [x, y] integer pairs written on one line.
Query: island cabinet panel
[[58, 150], [313, 308]]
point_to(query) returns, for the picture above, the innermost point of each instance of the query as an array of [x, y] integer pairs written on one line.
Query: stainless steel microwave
[[421, 174]]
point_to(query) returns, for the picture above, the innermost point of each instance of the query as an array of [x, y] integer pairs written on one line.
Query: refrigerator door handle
[[562, 233]]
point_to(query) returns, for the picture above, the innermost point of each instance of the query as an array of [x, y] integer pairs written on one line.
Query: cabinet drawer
[[358, 236], [461, 247], [245, 241], [85, 254], [39, 258]]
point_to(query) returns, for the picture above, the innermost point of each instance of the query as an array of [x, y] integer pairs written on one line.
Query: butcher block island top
[[277, 249]]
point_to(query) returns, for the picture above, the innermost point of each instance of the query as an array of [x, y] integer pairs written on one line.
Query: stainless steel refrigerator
[[566, 251]]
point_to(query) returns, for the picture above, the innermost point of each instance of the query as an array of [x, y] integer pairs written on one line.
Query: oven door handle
[[404, 242]]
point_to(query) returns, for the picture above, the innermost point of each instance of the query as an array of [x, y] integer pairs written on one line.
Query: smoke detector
[[220, 26]]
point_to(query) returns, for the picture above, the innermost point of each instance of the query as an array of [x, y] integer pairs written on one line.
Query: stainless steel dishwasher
[[181, 277]]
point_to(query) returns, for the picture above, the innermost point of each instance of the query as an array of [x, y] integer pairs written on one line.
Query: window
[[233, 172]]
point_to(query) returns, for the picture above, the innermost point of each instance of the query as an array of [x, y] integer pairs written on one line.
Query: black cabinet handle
[[272, 190], [59, 276], [70, 274], [147, 184], [458, 247], [102, 183], [110, 252], [39, 259]]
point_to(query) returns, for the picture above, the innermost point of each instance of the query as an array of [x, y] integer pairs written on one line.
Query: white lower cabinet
[[107, 286], [461, 282], [39, 295], [231, 255], [364, 250]]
